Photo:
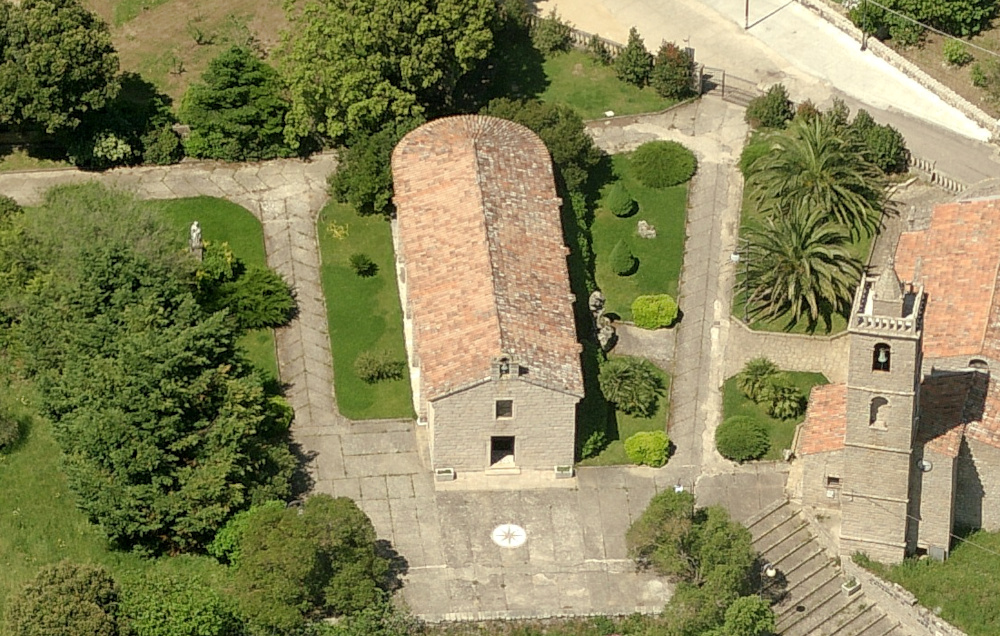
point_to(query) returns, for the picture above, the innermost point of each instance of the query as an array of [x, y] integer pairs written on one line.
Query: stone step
[[769, 525], [837, 610], [772, 510], [801, 606], [788, 542], [803, 551], [803, 563], [865, 615], [880, 627]]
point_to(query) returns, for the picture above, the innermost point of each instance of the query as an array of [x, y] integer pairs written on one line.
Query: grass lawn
[[620, 426], [364, 313], [965, 587], [19, 159], [40, 524], [576, 79], [659, 259], [223, 220], [781, 432]]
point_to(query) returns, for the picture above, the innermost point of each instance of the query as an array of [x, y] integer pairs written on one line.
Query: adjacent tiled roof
[[481, 238], [947, 404], [956, 260], [826, 420]]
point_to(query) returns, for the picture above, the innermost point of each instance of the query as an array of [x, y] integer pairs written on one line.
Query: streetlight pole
[[746, 15]]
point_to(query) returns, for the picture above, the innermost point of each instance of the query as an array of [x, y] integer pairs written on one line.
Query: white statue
[[194, 242]]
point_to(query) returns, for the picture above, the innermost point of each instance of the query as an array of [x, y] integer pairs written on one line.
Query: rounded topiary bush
[[623, 262], [375, 366], [653, 312], [619, 200], [661, 164], [741, 439], [648, 448]]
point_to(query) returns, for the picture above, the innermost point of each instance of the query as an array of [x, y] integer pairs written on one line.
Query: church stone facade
[[908, 450]]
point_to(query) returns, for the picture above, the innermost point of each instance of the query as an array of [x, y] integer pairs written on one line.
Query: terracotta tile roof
[[956, 260], [826, 420], [948, 403], [481, 238], [986, 428]]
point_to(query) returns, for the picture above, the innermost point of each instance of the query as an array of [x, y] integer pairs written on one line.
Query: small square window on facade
[[832, 482], [505, 409]]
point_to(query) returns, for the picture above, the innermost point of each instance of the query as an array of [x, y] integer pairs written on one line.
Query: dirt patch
[[172, 44]]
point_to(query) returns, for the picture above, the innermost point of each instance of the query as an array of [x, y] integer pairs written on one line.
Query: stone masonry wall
[[947, 95], [936, 500], [899, 604], [977, 497], [792, 352], [543, 426], [815, 469]]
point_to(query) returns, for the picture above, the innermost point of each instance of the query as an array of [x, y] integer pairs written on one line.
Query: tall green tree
[[634, 63], [57, 64], [353, 66], [816, 169], [68, 599], [799, 265], [238, 113], [296, 565]]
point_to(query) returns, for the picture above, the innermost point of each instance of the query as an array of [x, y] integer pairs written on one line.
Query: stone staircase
[[806, 592]]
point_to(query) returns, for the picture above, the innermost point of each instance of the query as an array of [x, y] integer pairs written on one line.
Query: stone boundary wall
[[949, 96], [899, 604], [790, 351]]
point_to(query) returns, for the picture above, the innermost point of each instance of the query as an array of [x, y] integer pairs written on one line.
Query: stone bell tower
[[882, 396]]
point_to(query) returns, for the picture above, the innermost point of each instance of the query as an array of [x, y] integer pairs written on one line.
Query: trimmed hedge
[[375, 366], [648, 448], [654, 311], [741, 439], [661, 164], [619, 200], [623, 261]]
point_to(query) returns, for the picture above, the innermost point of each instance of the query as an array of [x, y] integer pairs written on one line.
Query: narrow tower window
[[881, 357], [878, 411]]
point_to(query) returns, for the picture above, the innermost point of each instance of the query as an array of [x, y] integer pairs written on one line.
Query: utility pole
[[746, 15], [864, 25]]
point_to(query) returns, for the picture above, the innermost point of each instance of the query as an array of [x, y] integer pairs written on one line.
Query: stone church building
[[908, 449], [484, 285]]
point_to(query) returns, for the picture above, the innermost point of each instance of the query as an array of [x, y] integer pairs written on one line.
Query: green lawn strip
[[128, 10], [859, 248], [223, 220], [364, 313], [965, 587], [780, 432], [659, 258], [40, 524], [576, 79], [624, 426]]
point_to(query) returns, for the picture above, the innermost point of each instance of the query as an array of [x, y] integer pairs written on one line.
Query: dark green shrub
[[634, 64], [654, 311], [648, 448], [741, 439], [226, 546], [259, 298], [956, 53], [807, 110], [596, 442], [756, 374], [375, 366], [771, 110], [551, 35], [10, 429], [622, 261], [598, 50], [161, 605], [758, 146], [362, 265], [661, 164], [633, 385], [619, 200], [162, 146], [782, 399], [883, 145], [103, 150], [986, 75], [673, 72], [9, 207], [67, 599]]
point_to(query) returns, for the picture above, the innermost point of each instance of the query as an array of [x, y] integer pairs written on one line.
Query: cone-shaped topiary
[[623, 262], [619, 200]]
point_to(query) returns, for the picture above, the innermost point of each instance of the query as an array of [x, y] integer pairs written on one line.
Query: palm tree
[[815, 167], [799, 265]]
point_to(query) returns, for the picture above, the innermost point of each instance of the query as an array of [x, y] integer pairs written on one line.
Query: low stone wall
[[899, 604], [879, 49], [792, 352]]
